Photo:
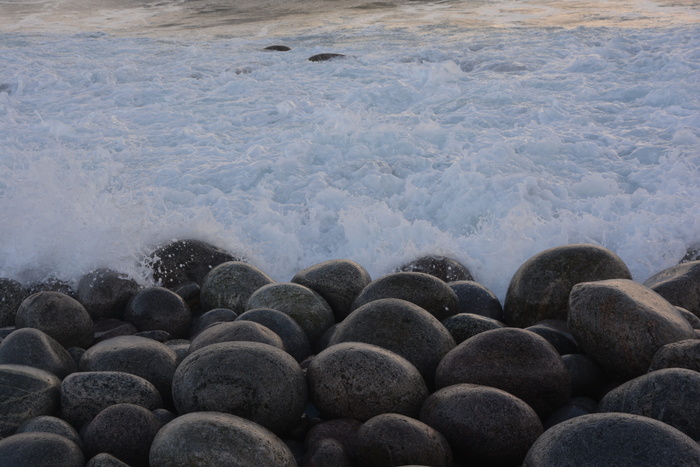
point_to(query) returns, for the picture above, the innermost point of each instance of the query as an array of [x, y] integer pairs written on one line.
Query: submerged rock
[[324, 57], [278, 48]]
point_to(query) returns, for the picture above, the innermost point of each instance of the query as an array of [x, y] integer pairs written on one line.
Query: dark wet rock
[[302, 304], [190, 294], [361, 381], [140, 356], [157, 308], [25, 393], [217, 439], [277, 48], [392, 439], [477, 299], [50, 424], [293, 336], [230, 285], [85, 394], [157, 335], [164, 416], [462, 326], [445, 269], [338, 281], [107, 328], [670, 395], [181, 347], [124, 430], [53, 284], [621, 324], [40, 449], [217, 315], [557, 333], [692, 254], [105, 460], [691, 318], [32, 347], [681, 354], [680, 285], [59, 316], [540, 288], [607, 439], [324, 57], [402, 327], [183, 261], [326, 453], [515, 360], [424, 290], [12, 293], [342, 430], [104, 293], [252, 380], [482, 424], [236, 331], [576, 407], [587, 377]]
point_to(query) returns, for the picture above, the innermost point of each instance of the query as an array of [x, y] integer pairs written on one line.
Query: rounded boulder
[[230, 285], [157, 308], [236, 331], [25, 393], [681, 354], [445, 269], [51, 424], [12, 293], [476, 298], [462, 326], [104, 293], [32, 347], [293, 336], [40, 449], [679, 284]]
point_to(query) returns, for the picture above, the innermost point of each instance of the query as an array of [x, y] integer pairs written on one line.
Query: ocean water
[[484, 131]]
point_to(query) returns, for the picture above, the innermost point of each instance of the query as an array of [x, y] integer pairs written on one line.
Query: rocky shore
[[219, 365]]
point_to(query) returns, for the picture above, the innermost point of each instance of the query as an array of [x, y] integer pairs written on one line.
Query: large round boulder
[[681, 354], [621, 324], [157, 308], [484, 425], [104, 293], [540, 288], [59, 316], [25, 393], [476, 298], [249, 379], [606, 439], [302, 304], [670, 395], [338, 281], [32, 347], [424, 290], [293, 336], [402, 327], [360, 381], [230, 285], [445, 269], [12, 293], [391, 439], [40, 449], [680, 285], [233, 331], [514, 360]]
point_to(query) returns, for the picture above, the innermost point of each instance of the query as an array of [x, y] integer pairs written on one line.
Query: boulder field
[[216, 364]]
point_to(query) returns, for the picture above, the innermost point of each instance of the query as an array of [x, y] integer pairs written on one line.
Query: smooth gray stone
[[445, 269], [613, 439], [85, 394], [50, 424], [230, 285], [681, 354], [557, 333], [358, 380], [679, 284], [104, 293], [236, 331], [462, 326], [40, 449], [475, 298], [214, 439], [32, 347], [25, 393], [293, 336], [157, 308], [217, 315]]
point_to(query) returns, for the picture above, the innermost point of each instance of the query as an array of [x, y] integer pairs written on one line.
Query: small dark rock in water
[[302, 304], [157, 308], [230, 285], [293, 336], [462, 326], [12, 293], [403, 328], [540, 288], [59, 316], [124, 430], [257, 381], [85, 394], [693, 254], [426, 291], [236, 331], [680, 285], [361, 381], [54, 285], [324, 56], [25, 393], [518, 361], [338, 281], [392, 439], [50, 424], [217, 439], [574, 408], [477, 299], [40, 449], [278, 48], [110, 327], [557, 333], [217, 315], [607, 439], [445, 269], [484, 425], [32, 347], [621, 324], [587, 377], [104, 293], [681, 354], [183, 261], [670, 395]]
